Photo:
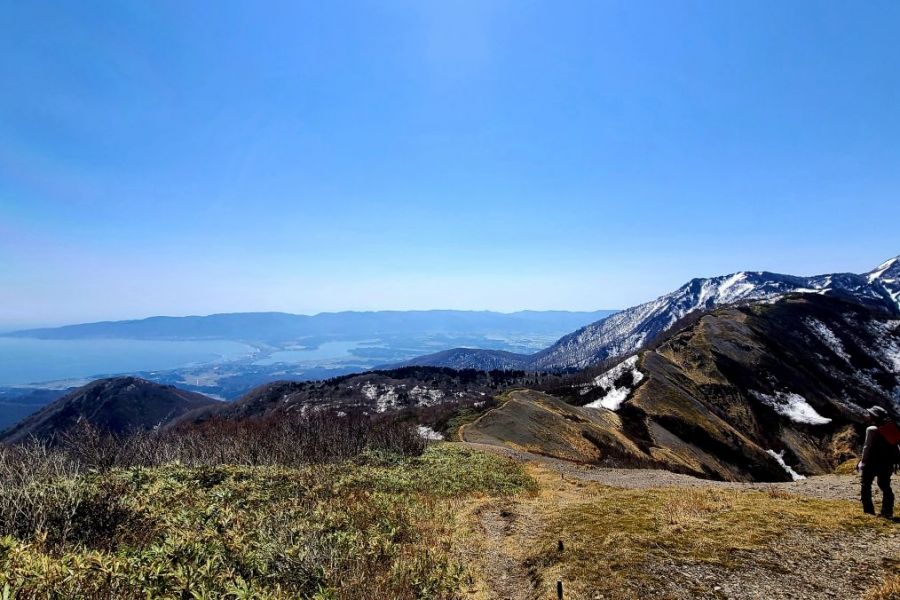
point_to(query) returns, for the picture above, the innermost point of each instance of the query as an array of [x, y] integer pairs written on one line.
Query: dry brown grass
[[613, 537], [692, 507], [848, 467], [888, 590]]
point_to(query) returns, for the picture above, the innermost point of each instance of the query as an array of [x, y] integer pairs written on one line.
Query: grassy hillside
[[450, 522], [378, 526], [543, 424]]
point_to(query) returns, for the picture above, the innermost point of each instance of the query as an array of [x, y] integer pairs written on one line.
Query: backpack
[[891, 434]]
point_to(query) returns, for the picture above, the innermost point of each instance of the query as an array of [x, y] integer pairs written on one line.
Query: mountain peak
[[889, 268], [116, 404], [628, 330], [887, 275]]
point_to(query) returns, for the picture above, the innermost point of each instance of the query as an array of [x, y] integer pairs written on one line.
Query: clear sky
[[187, 157]]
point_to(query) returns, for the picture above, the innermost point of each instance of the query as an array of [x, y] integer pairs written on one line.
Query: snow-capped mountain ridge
[[887, 275], [627, 331], [888, 267]]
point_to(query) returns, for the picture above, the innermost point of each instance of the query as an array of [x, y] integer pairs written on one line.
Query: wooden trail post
[[559, 587]]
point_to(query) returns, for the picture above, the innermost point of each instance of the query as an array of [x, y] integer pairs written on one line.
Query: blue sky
[[187, 157]]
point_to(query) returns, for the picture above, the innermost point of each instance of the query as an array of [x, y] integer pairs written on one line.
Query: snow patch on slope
[[828, 337], [428, 433], [880, 271], [615, 396], [793, 406], [426, 396], [612, 400], [892, 357], [779, 456], [887, 275], [385, 396], [887, 343]]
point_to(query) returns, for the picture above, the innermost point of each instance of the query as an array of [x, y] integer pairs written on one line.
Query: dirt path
[[834, 487], [502, 524], [803, 564]]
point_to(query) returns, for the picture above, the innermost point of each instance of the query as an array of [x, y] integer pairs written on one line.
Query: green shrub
[[376, 527]]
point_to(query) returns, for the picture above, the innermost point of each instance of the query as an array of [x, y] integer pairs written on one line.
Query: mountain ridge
[[760, 391], [280, 325], [631, 328]]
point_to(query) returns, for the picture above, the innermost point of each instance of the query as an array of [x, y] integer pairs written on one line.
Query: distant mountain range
[[630, 329], [273, 327], [764, 390], [751, 376]]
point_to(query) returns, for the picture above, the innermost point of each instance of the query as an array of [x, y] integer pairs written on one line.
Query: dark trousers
[[881, 474]]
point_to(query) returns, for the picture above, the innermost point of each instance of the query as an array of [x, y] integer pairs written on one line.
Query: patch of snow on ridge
[[612, 400], [734, 287], [731, 281], [779, 456], [887, 275], [828, 337], [793, 406], [429, 434], [892, 356], [425, 396], [615, 396], [607, 380], [887, 344], [370, 391], [882, 268], [385, 396]]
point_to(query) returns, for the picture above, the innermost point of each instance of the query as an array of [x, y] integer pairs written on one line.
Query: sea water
[[26, 360]]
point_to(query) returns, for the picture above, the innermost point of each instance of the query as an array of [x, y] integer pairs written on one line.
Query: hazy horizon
[[175, 159], [6, 328], [323, 312]]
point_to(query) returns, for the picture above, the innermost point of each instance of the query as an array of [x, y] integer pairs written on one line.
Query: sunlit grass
[[377, 527], [614, 535]]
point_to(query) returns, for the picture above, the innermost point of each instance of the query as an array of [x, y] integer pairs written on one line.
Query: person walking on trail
[[880, 456]]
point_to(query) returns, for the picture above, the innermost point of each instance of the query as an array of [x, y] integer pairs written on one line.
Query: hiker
[[879, 458]]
